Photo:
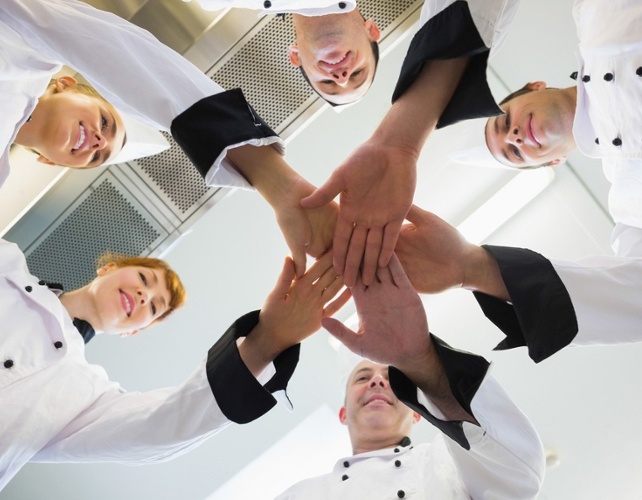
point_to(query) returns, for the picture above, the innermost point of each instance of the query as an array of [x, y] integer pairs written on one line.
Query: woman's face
[[127, 299], [76, 130]]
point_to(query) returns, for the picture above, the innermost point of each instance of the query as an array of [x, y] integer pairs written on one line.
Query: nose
[[515, 136], [378, 380], [98, 141], [143, 297], [341, 76]]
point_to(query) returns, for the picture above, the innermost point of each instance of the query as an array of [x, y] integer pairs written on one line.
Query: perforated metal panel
[[176, 177], [104, 219]]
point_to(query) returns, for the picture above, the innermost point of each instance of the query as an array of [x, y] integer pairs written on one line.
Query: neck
[[29, 134], [78, 304]]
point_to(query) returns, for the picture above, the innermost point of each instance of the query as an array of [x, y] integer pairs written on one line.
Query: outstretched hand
[[376, 185], [294, 309], [393, 328]]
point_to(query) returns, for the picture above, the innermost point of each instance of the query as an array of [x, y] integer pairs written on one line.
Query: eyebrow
[[361, 370]]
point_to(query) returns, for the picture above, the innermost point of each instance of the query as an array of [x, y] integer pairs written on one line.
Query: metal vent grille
[[177, 178], [263, 70], [104, 220]]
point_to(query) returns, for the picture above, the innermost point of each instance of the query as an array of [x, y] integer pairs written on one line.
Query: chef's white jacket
[[130, 68], [56, 407], [303, 7], [502, 458]]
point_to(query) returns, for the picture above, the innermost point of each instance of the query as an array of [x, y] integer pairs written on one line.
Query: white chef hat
[[472, 148], [142, 141]]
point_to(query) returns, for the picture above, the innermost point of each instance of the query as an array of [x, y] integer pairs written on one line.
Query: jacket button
[[401, 494], [342, 5], [609, 77], [267, 4], [42, 282], [396, 450], [28, 288], [397, 463], [346, 464], [58, 344], [344, 477], [597, 140], [8, 363], [586, 78], [639, 71], [617, 141]]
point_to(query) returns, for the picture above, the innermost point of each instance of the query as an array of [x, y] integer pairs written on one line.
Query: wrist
[[482, 273]]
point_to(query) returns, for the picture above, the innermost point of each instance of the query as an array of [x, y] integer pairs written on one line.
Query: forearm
[[482, 274], [415, 114], [257, 350]]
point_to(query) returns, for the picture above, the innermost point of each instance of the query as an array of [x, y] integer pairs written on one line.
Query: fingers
[[398, 273], [390, 236], [371, 255], [337, 303], [342, 333], [385, 276], [324, 194], [322, 266], [342, 235], [415, 214], [284, 281], [354, 255], [299, 258]]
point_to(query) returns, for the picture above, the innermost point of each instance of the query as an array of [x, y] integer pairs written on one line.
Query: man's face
[[77, 130], [129, 298], [537, 128], [336, 54], [371, 408]]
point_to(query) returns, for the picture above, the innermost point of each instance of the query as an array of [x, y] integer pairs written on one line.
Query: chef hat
[[472, 148], [142, 141]]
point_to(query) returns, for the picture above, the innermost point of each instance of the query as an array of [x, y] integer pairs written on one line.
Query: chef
[[488, 448], [59, 408], [336, 48], [220, 132], [443, 80], [544, 304]]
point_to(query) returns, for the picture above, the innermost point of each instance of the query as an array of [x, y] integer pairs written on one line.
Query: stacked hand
[[376, 186]]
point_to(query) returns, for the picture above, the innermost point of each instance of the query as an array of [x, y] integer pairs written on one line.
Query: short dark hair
[[375, 53]]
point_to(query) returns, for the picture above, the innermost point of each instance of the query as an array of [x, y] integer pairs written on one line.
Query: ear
[[65, 83], [293, 51], [343, 418], [105, 269], [46, 161], [557, 161], [374, 34], [415, 417], [536, 85]]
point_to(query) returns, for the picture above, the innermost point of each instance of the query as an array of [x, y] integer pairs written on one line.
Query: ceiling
[[579, 400]]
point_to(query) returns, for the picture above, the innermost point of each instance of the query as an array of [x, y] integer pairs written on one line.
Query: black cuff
[[541, 315], [206, 128], [239, 395], [452, 34], [465, 373]]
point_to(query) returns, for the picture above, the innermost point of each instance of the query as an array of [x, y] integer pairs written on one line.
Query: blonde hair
[[177, 292]]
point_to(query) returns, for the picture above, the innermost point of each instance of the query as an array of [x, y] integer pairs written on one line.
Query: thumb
[[323, 195], [284, 281], [342, 333], [415, 214]]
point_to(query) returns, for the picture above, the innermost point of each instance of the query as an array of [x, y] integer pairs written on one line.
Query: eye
[[153, 309], [517, 153], [507, 120], [143, 278], [103, 122], [327, 82], [95, 157], [362, 378], [356, 73]]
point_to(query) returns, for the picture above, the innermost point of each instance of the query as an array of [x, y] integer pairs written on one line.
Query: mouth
[[83, 139], [335, 62], [531, 134], [378, 400], [127, 301]]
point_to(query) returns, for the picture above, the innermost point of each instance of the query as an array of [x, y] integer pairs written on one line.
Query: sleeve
[[592, 301], [140, 428], [143, 78], [455, 30], [503, 457]]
